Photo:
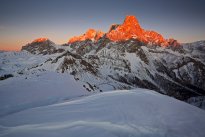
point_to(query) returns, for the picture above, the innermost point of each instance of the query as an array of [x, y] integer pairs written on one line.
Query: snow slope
[[133, 113], [26, 92]]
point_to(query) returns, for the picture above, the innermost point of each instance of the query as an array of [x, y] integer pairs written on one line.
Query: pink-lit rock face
[[40, 40], [91, 34], [155, 38], [132, 29], [129, 29]]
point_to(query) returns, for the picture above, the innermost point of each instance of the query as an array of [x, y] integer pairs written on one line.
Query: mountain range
[[125, 82], [126, 57]]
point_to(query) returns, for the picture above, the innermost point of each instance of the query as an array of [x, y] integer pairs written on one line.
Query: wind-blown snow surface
[[134, 113], [18, 93]]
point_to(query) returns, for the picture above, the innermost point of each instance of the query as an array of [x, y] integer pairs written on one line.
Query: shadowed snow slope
[[134, 113], [20, 93]]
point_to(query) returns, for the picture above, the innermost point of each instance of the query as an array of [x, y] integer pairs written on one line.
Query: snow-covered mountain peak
[[90, 34], [130, 29], [42, 46], [132, 20], [40, 40]]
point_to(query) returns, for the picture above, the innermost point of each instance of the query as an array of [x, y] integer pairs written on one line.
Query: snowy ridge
[[133, 113]]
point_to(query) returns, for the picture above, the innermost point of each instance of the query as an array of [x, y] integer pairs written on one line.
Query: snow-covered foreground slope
[[25, 92], [134, 113]]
